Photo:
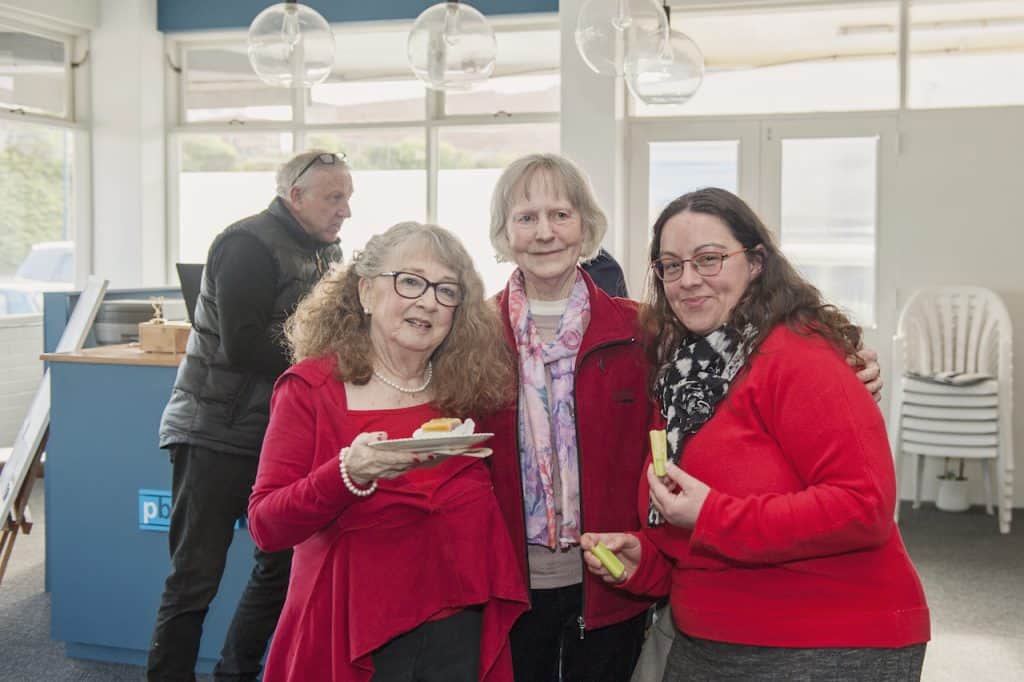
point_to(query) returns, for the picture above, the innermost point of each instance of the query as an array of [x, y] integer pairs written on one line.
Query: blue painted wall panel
[[197, 15], [105, 574]]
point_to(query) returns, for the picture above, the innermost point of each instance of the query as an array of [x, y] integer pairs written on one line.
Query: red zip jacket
[[613, 415], [795, 545]]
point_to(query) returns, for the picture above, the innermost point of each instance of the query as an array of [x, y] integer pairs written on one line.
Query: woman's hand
[[624, 545], [365, 465], [871, 374], [679, 504]]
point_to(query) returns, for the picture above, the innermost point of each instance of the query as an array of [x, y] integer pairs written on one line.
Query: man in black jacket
[[256, 272]]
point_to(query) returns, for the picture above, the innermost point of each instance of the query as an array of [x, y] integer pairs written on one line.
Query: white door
[[816, 181], [670, 158], [822, 184]]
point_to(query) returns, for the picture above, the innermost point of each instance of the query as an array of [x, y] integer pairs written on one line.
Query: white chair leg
[[988, 472], [918, 476], [898, 461]]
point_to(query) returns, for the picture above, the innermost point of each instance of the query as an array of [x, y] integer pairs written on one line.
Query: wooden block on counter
[[169, 337]]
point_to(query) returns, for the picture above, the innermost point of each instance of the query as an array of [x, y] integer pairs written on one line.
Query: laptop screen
[[191, 276]]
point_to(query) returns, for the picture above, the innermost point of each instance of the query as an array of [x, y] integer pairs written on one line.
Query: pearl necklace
[[419, 389]]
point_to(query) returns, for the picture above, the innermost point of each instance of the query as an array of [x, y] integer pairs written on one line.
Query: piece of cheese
[[441, 425], [658, 451], [609, 560]]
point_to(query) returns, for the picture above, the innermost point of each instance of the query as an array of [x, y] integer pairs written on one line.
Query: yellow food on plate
[[441, 425], [609, 560], [658, 451]]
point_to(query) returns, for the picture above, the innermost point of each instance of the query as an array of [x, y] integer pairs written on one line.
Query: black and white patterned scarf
[[693, 383]]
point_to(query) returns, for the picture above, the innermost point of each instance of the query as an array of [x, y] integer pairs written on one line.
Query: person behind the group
[[256, 272], [401, 571], [607, 274], [773, 530]]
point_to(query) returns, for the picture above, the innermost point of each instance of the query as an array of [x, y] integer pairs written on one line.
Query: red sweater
[[613, 415], [368, 569], [795, 546]]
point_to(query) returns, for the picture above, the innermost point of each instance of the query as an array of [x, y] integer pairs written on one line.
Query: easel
[[20, 518]]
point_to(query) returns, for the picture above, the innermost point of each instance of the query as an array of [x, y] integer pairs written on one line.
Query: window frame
[[903, 58], [76, 122], [433, 121]]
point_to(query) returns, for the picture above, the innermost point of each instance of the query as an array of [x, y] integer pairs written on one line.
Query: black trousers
[[210, 491], [546, 643], [446, 650]]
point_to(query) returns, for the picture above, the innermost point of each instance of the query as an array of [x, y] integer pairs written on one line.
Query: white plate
[[446, 445]]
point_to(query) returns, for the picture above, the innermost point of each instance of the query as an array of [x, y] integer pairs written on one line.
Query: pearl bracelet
[[347, 480]]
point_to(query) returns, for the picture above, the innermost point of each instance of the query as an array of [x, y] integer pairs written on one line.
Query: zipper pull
[[579, 620]]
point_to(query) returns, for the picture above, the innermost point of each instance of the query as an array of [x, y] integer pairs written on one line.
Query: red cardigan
[[613, 415], [795, 546], [368, 569]]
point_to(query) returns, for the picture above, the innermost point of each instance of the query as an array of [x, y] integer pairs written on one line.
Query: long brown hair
[[777, 295], [472, 366]]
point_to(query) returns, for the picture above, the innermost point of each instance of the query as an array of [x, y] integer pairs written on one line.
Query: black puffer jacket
[[215, 404]]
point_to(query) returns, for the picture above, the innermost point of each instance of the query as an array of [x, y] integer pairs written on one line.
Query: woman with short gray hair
[[571, 449]]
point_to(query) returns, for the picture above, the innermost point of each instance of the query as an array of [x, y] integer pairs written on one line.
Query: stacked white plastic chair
[[960, 330]]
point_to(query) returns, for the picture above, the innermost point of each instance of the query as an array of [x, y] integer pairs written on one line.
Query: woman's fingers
[[660, 494]]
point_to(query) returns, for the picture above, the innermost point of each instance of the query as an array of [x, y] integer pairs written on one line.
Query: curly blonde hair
[[472, 366]]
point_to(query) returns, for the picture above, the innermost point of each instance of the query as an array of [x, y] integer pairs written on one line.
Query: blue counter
[[104, 572]]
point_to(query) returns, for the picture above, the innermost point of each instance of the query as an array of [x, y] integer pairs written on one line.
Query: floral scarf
[[542, 414], [693, 383]]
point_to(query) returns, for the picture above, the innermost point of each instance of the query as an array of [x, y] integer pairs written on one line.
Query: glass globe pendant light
[[451, 46], [291, 45], [672, 76], [610, 31]]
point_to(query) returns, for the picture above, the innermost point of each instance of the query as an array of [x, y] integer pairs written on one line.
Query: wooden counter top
[[120, 354]]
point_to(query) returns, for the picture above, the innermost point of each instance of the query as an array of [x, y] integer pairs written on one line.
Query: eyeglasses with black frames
[[669, 269], [325, 159], [411, 285]]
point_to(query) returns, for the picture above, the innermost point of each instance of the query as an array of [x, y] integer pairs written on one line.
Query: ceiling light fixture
[[291, 45], [608, 32], [672, 76], [451, 46]]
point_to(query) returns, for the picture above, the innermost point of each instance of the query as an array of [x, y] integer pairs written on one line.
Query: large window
[[415, 154], [804, 56], [809, 57], [37, 169], [968, 53]]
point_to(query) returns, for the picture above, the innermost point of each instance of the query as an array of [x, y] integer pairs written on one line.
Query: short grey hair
[[572, 183], [290, 169]]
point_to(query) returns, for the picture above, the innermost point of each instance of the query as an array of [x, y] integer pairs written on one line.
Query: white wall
[[128, 142], [952, 215], [21, 342]]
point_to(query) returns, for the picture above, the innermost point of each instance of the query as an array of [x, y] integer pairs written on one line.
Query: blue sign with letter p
[[154, 510]]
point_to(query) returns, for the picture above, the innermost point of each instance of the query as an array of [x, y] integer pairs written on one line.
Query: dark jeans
[[446, 650], [210, 491], [546, 644]]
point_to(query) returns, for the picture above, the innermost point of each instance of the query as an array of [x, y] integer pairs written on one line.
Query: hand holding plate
[[366, 464]]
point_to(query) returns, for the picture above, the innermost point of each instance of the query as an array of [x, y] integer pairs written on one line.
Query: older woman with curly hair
[[772, 529], [403, 568]]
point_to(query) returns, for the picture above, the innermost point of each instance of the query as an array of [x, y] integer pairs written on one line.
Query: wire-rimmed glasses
[[411, 285], [669, 269]]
